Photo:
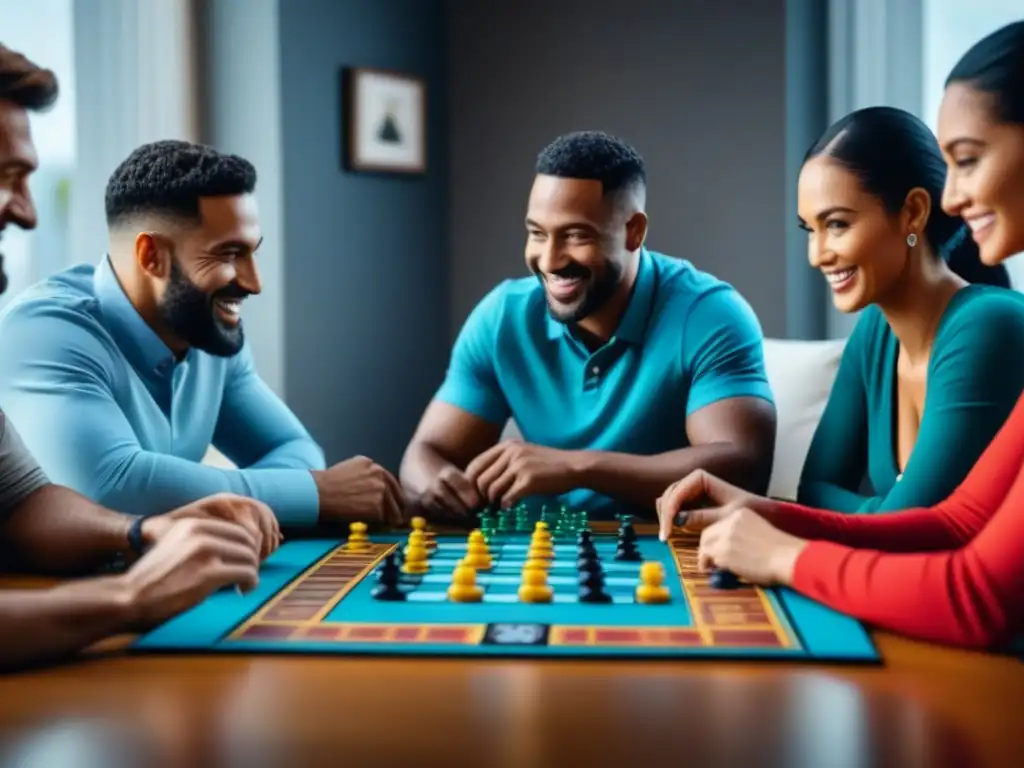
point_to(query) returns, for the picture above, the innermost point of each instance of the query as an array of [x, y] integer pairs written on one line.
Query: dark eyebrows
[[951, 146], [585, 225], [822, 215], [237, 245]]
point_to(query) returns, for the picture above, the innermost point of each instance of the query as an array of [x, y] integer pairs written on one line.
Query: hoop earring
[[911, 239]]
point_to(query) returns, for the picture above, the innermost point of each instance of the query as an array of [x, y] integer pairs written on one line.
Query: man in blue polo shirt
[[623, 369], [123, 374]]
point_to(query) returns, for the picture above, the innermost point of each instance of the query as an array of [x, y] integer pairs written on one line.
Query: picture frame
[[385, 121]]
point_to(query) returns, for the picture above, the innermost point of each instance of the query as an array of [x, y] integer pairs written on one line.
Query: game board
[[315, 596]]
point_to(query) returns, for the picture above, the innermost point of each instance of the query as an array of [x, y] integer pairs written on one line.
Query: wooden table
[[927, 707]]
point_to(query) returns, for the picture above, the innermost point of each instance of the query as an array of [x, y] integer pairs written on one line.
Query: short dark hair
[[25, 83], [995, 65], [892, 152], [169, 177], [594, 155]]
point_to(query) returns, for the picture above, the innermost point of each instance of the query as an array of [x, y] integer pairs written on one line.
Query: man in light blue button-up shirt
[[123, 373]]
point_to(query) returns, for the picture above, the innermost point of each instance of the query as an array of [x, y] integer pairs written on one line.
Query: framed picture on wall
[[385, 121]]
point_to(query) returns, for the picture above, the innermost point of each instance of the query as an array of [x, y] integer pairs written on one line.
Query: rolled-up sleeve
[[20, 475]]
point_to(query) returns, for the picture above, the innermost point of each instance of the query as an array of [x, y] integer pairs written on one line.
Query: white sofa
[[801, 375]]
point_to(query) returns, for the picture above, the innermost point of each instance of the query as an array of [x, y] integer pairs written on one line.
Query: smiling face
[[851, 238], [17, 162], [212, 271], [985, 180], [576, 245]]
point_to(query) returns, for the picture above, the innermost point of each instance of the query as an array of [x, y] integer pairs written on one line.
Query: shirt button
[[595, 370]]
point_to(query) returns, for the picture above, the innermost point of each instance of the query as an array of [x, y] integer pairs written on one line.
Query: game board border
[[792, 646]]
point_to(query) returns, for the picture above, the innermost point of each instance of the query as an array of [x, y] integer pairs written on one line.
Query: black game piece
[[388, 578], [722, 579], [592, 588], [627, 550], [585, 546], [588, 561]]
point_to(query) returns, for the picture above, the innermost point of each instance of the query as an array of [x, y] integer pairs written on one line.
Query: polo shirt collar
[[633, 325], [137, 341]]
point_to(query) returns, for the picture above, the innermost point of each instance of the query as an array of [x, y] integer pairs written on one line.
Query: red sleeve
[[972, 596], [947, 525]]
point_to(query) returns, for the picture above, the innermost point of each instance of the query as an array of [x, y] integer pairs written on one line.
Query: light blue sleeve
[[724, 350], [256, 430], [471, 382], [58, 384]]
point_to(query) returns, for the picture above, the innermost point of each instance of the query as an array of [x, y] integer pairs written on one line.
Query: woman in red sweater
[[952, 573]]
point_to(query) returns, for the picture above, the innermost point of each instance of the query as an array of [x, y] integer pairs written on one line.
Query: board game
[[523, 587]]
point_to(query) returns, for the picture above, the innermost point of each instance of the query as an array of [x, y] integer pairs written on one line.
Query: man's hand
[[254, 516], [749, 546], [512, 470], [359, 490], [194, 557], [450, 492]]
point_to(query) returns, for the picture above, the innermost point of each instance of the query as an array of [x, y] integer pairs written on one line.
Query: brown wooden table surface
[[926, 706]]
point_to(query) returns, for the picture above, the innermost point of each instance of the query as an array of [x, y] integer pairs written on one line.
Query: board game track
[[742, 618]]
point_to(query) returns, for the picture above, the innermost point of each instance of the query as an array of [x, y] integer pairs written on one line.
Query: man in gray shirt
[[177, 558]]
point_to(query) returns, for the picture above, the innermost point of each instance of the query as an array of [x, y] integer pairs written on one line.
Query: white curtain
[[135, 83]]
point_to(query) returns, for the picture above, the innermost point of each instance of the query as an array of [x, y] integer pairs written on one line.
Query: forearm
[[912, 530], [640, 480], [300, 453], [149, 484], [38, 626], [420, 465], [58, 531]]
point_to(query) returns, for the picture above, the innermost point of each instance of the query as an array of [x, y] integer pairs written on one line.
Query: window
[[42, 30]]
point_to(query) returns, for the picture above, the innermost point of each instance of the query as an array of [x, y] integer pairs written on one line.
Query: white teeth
[[840, 276], [980, 222], [560, 279], [231, 307]]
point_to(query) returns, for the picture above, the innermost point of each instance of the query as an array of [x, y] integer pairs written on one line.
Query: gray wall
[[365, 279], [697, 87]]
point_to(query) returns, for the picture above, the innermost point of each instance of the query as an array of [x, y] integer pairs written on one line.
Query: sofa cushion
[[801, 374]]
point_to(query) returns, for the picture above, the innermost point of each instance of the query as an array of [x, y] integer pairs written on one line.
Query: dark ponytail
[[892, 152], [995, 65]]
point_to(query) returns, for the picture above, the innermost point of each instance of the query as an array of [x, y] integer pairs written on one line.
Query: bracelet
[[135, 542]]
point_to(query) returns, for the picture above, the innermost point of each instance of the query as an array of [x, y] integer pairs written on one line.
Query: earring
[[911, 239]]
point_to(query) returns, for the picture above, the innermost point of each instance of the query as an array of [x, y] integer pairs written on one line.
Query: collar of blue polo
[[633, 326], [136, 340]]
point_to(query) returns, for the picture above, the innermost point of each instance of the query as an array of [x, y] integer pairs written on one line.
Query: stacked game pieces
[[591, 574], [420, 524], [652, 587], [627, 550], [540, 543], [464, 588], [358, 540], [488, 523], [388, 579], [416, 554], [478, 554]]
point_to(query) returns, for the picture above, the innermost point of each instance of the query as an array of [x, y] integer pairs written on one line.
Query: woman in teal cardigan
[[936, 361]]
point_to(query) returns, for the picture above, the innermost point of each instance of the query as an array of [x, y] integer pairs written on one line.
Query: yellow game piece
[[478, 557], [652, 587], [536, 564], [357, 541], [534, 587], [415, 554], [419, 525], [539, 548], [464, 588]]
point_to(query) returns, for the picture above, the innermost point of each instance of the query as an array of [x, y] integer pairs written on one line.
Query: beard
[[595, 294], [189, 312]]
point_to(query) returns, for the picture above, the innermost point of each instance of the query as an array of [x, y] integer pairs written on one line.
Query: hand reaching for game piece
[[747, 545], [254, 515], [512, 470], [700, 499], [360, 490], [193, 557], [450, 492]]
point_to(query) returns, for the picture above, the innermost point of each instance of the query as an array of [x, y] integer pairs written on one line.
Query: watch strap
[[135, 542]]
